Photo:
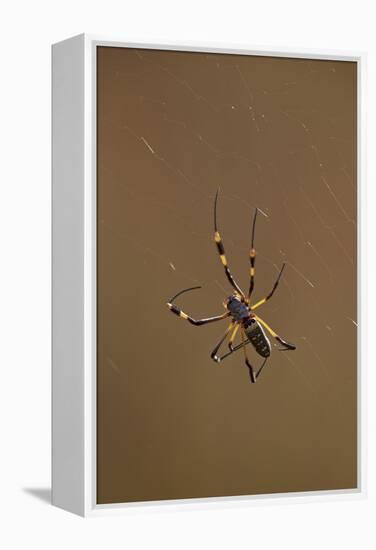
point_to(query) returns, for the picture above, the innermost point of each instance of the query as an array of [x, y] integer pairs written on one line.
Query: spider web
[[279, 134]]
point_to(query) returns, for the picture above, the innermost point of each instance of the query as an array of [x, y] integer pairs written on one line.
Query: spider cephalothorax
[[238, 307]]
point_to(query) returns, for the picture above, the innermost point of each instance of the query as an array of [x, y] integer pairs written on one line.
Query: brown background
[[276, 133]]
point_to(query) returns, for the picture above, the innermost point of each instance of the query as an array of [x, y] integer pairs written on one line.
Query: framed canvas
[[207, 275]]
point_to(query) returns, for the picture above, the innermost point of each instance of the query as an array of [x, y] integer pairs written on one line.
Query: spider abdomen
[[257, 337]]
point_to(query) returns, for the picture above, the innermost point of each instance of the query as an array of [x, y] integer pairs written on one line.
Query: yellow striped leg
[[258, 304], [233, 336], [222, 255], [221, 251], [252, 257], [213, 354], [175, 309], [287, 345]]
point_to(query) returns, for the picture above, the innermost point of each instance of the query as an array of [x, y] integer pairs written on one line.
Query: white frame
[[74, 273]]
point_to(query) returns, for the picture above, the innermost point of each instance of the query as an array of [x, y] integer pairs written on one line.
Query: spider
[[239, 309]]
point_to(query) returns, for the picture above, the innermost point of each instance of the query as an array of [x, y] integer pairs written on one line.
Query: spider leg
[[287, 345], [233, 336], [258, 304], [237, 348], [233, 350], [250, 368], [221, 251], [175, 309], [262, 366], [213, 354], [252, 257]]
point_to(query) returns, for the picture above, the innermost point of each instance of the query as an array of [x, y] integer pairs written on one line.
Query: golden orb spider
[[239, 308]]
